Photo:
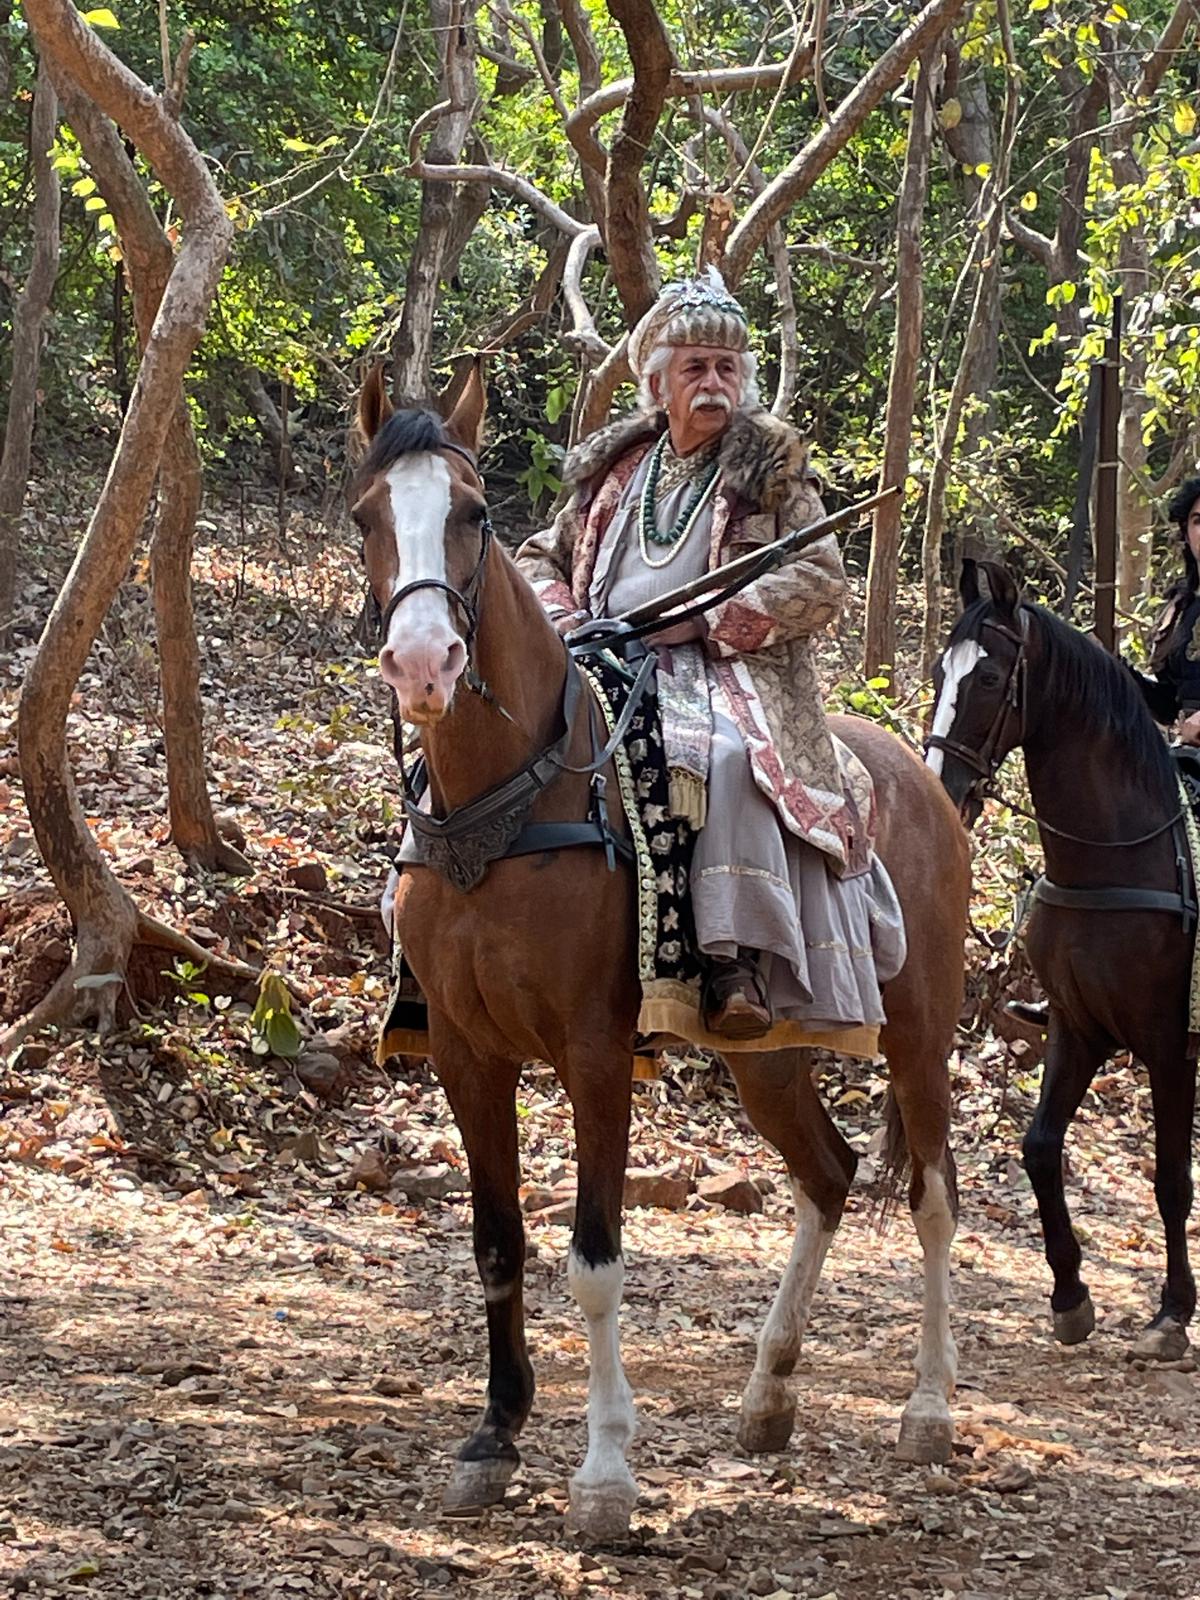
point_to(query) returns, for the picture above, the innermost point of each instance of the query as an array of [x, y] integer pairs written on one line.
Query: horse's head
[[979, 684], [419, 503]]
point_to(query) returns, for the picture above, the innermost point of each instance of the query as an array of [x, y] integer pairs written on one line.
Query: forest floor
[[242, 1333]]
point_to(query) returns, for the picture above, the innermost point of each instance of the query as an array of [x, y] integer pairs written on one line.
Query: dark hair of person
[[1181, 592]]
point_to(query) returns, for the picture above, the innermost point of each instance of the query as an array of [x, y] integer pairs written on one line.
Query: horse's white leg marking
[[958, 661], [926, 1428], [767, 1405], [603, 1491]]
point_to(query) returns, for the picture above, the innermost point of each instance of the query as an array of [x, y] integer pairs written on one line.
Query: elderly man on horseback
[[796, 918]]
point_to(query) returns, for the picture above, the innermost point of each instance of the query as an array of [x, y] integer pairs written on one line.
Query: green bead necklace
[[673, 538]]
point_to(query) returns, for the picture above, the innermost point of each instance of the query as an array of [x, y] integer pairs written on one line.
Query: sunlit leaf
[[101, 18]]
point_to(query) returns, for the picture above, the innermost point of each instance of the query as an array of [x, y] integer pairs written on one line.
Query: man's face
[[1193, 529], [704, 384]]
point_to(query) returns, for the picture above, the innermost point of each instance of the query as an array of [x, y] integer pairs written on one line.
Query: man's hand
[[685, 633], [569, 622], [1189, 729]]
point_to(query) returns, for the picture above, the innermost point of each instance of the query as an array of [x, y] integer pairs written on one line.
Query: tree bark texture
[[883, 568], [29, 314], [148, 259], [977, 357], [628, 236], [412, 352], [106, 921]]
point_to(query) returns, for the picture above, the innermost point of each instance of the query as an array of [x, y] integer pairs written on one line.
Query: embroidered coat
[[759, 641]]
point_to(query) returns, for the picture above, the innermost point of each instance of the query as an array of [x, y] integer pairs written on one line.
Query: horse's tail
[[896, 1165]]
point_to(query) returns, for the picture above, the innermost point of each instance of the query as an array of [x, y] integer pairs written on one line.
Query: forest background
[[240, 1316], [928, 213]]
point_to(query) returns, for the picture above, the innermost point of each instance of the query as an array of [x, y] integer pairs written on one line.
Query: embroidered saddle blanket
[[669, 964]]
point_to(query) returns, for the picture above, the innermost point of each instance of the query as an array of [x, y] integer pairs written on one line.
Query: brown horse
[[539, 962]]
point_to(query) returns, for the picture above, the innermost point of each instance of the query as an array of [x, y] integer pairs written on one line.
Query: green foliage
[[272, 1024]]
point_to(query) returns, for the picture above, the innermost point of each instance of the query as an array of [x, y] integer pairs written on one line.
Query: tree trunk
[[149, 259], [107, 922], [977, 358], [882, 572], [29, 313], [412, 352]]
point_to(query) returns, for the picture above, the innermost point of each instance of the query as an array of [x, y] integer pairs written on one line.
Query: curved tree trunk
[[883, 569], [28, 315], [977, 358], [107, 922], [149, 259], [412, 352]]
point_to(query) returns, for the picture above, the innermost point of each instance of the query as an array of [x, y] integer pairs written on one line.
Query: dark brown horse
[[539, 962], [1115, 967]]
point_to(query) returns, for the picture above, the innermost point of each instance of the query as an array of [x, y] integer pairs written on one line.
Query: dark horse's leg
[[482, 1095], [599, 1082], [1071, 1063], [781, 1100], [1173, 1087]]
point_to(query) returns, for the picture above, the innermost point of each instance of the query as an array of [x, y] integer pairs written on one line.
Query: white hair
[[656, 367]]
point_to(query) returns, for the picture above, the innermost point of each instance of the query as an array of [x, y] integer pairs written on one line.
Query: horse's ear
[[374, 404], [465, 421], [968, 582], [997, 584]]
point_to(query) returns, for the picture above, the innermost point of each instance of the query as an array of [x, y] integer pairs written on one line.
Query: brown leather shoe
[[735, 999]]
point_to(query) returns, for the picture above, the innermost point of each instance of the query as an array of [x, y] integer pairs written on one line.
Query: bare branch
[[1155, 65], [627, 223], [500, 178], [798, 177], [683, 85], [584, 338], [579, 31], [1035, 244]]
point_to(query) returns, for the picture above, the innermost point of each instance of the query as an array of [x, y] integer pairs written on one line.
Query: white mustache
[[711, 402]]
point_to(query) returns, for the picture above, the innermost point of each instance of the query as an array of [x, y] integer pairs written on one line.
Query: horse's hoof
[[1162, 1341], [768, 1434], [603, 1512], [476, 1484], [1074, 1326], [925, 1441]]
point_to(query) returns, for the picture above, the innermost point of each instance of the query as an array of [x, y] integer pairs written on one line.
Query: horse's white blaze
[[419, 489], [779, 1342], [958, 661], [611, 1419], [937, 1359]]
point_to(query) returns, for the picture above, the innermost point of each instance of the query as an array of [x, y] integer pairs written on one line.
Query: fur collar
[[760, 456]]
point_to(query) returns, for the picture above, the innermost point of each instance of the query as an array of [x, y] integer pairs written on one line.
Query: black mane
[[1078, 681], [404, 433]]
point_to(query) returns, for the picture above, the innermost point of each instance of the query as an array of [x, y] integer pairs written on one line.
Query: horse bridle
[[469, 597], [986, 761]]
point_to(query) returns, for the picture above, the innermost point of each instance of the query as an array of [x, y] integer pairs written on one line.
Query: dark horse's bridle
[[986, 762]]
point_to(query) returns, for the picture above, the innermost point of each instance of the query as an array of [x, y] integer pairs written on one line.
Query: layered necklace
[[672, 539]]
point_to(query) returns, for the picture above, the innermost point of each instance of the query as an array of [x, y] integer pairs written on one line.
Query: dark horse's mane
[[405, 433], [1078, 681]]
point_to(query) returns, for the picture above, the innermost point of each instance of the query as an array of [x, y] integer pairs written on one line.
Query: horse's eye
[[989, 677]]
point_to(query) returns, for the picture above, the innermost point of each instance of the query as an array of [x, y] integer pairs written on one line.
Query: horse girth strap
[[1109, 898]]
